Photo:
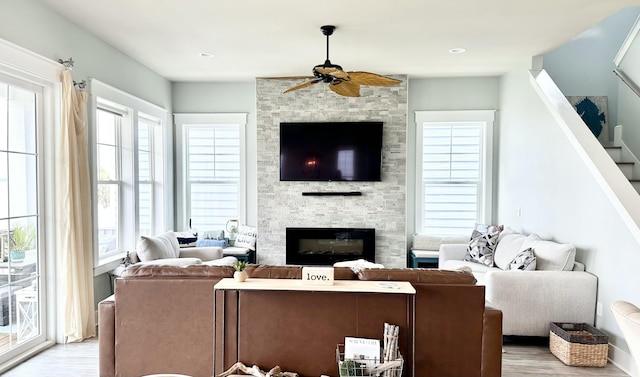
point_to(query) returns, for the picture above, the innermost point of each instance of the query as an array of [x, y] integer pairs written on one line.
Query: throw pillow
[[185, 238], [553, 256], [246, 237], [509, 245], [159, 247], [482, 244], [524, 261], [358, 265], [213, 234]]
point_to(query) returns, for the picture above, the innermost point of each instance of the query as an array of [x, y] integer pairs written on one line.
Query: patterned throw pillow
[[483, 244], [524, 261]]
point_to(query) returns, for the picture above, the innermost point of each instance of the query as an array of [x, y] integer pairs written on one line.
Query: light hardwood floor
[[518, 360]]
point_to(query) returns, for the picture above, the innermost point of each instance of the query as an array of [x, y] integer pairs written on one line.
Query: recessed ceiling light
[[206, 54], [458, 50]]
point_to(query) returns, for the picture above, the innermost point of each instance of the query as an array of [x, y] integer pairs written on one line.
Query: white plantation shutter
[[147, 128], [210, 153], [451, 177], [454, 187], [213, 174]]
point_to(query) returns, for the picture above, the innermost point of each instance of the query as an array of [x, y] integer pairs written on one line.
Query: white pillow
[[357, 265], [246, 237], [162, 246], [553, 256], [509, 245]]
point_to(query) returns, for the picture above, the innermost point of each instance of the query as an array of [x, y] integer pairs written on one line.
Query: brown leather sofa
[[160, 320]]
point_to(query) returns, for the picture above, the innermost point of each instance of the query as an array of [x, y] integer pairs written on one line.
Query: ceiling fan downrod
[[328, 31]]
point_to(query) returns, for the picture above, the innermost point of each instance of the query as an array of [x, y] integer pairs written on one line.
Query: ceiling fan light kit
[[341, 82]]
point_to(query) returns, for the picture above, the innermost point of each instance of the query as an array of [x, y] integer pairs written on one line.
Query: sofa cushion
[[162, 246], [273, 272], [198, 271], [509, 245], [483, 243], [224, 261], [417, 275], [553, 256], [425, 242], [178, 262], [246, 237], [524, 261]]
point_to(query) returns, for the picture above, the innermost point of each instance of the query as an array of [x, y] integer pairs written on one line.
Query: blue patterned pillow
[[524, 261]]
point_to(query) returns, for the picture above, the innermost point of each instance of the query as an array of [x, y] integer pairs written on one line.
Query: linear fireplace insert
[[325, 246]]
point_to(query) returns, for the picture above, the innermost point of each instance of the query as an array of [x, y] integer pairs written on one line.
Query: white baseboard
[[622, 360]]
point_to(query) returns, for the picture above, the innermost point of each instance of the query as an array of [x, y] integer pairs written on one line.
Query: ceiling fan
[[343, 83]]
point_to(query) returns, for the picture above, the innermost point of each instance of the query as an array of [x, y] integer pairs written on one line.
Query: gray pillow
[[162, 246], [524, 261]]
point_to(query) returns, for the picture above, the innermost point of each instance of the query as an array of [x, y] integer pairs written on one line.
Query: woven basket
[[578, 344]]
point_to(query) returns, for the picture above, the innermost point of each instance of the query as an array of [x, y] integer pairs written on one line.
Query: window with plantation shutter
[[213, 175], [453, 171]]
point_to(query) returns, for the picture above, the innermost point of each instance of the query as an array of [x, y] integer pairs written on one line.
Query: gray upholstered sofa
[[557, 290]]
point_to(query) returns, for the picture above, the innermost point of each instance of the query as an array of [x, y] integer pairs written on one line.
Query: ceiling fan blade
[[286, 78], [303, 85], [332, 71], [346, 88], [367, 78]]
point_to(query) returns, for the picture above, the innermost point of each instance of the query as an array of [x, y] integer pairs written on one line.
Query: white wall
[[35, 27], [541, 173], [463, 93], [584, 66], [225, 97]]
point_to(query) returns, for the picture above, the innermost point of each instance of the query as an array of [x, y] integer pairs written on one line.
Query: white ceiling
[[264, 38]]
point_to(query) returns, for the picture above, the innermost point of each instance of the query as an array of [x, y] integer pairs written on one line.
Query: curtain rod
[[66, 63]]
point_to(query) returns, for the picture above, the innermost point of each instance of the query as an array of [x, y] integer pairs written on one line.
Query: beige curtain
[[73, 196]]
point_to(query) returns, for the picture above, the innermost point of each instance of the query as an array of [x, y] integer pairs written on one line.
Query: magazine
[[366, 351]]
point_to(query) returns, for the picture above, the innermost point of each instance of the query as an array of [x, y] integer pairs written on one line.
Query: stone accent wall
[[382, 205]]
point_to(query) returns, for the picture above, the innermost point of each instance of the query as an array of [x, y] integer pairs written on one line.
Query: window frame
[[485, 199], [155, 145], [43, 182], [183, 120], [23, 65], [132, 110]]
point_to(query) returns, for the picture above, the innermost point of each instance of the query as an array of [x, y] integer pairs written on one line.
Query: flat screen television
[[331, 151]]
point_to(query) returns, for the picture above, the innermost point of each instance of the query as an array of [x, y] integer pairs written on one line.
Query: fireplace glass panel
[[333, 247], [325, 246]]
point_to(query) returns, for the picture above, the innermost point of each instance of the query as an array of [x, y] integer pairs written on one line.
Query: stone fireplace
[[285, 204], [325, 246]]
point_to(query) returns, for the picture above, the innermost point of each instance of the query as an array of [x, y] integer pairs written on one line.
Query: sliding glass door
[[20, 217]]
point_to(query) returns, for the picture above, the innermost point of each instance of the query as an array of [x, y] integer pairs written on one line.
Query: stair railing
[[627, 80]]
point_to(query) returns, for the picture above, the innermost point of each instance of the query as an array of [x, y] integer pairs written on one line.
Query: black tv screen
[[330, 151]]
